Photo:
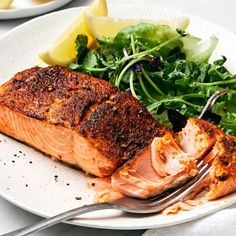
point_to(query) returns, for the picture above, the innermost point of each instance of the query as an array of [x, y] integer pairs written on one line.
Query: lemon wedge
[[102, 26], [5, 4], [63, 50]]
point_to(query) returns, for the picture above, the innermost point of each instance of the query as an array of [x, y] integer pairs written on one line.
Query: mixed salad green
[[163, 69]]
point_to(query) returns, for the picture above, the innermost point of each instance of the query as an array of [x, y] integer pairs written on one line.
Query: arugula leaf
[[81, 46]]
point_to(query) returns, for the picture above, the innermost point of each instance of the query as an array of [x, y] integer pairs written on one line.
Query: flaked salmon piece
[[76, 118], [181, 206], [138, 178], [167, 157], [198, 137], [107, 195], [223, 173], [174, 209]]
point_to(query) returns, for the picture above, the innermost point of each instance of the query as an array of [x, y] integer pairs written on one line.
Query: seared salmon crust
[[111, 125]]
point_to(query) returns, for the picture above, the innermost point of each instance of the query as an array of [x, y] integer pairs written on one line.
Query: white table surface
[[221, 12]]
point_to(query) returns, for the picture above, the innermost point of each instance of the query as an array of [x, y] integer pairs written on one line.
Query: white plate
[[43, 195], [27, 8]]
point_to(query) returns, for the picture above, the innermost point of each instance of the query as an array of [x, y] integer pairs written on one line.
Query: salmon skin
[[78, 119]]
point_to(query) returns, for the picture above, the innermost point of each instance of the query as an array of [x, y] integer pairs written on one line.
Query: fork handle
[[43, 224]]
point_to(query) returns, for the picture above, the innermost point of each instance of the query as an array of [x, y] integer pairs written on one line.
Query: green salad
[[164, 69]]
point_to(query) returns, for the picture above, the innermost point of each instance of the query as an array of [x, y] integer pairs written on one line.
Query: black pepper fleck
[[13, 161], [56, 178], [30, 162], [26, 185], [93, 184], [67, 184], [78, 198]]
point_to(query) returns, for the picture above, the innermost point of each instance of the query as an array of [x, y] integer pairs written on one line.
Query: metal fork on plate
[[131, 205]]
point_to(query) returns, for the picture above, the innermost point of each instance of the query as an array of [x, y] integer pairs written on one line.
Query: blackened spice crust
[[224, 164], [66, 103], [121, 127]]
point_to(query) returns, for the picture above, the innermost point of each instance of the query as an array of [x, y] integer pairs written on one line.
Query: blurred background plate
[[27, 8]]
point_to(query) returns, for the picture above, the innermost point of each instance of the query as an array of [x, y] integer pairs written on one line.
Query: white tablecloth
[[221, 12]]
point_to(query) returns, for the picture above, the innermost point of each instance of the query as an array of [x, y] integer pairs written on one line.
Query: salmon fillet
[[78, 119]]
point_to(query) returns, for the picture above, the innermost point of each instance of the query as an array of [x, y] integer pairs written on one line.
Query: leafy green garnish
[[81, 46], [163, 69]]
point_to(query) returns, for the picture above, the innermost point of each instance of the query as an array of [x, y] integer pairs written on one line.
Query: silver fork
[[131, 205], [126, 204]]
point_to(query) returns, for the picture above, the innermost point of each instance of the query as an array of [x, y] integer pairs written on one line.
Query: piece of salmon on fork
[[223, 172], [198, 137], [221, 180]]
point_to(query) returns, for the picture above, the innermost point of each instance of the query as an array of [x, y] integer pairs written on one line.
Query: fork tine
[[184, 190], [211, 101], [161, 197], [161, 205], [200, 165]]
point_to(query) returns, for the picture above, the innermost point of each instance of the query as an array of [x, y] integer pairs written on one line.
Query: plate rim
[[107, 226], [17, 13], [151, 226]]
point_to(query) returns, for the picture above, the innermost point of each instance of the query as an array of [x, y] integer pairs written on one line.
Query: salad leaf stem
[[97, 69], [133, 43], [118, 80], [146, 52], [169, 101], [151, 82], [131, 84], [188, 103], [74, 66], [193, 95], [230, 81], [144, 88]]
